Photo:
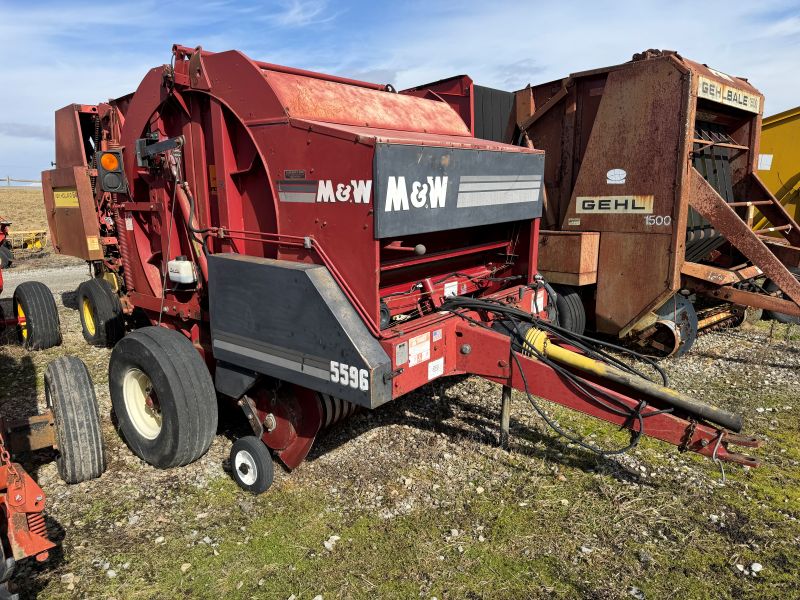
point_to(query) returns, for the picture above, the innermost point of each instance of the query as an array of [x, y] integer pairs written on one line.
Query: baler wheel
[[571, 313], [39, 327], [251, 464], [102, 319], [70, 395], [771, 287], [163, 397]]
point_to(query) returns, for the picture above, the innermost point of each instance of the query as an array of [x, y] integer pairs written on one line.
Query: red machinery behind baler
[[322, 243]]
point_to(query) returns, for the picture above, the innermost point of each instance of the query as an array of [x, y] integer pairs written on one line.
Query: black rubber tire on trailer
[[571, 313], [70, 395], [42, 329], [102, 319], [6, 256], [251, 464], [771, 286], [163, 397]]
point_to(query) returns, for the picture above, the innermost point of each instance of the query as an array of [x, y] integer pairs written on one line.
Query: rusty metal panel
[[71, 215], [639, 116], [332, 102], [633, 276], [569, 252], [69, 145], [30, 433]]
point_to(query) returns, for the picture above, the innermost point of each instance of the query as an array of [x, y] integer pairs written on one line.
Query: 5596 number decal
[[349, 376]]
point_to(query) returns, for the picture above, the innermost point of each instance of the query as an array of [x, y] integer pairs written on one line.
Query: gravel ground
[[60, 274], [606, 528]]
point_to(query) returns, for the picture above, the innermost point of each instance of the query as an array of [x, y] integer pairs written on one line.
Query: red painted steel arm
[[478, 354], [23, 501]]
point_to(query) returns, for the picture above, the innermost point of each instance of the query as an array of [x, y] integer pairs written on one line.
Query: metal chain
[[5, 457]]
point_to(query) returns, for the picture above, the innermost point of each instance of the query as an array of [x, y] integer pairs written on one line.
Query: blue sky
[[56, 53]]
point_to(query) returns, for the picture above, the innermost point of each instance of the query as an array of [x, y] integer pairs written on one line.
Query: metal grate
[[713, 163]]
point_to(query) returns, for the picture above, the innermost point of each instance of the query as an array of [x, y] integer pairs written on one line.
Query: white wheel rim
[[245, 466], [137, 390]]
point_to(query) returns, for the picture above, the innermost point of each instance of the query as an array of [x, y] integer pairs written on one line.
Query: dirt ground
[[23, 206], [416, 499]]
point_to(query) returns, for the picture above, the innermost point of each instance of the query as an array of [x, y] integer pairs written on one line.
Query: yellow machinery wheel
[[38, 325], [102, 319], [88, 316]]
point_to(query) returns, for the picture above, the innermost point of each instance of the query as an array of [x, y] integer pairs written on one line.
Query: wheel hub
[[88, 316], [245, 466], [141, 403]]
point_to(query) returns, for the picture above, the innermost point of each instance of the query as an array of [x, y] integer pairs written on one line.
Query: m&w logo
[[357, 191], [416, 194]]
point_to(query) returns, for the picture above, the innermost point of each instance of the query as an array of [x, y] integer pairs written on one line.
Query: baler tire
[[102, 319], [771, 286], [571, 313], [251, 464], [70, 395], [6, 256], [34, 302], [163, 367]]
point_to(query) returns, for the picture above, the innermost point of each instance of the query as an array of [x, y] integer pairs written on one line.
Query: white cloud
[[299, 13]]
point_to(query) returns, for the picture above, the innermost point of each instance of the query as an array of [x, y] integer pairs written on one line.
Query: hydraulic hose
[[538, 340]]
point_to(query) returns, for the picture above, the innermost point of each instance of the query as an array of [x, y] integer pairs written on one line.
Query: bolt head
[[466, 348], [270, 422]]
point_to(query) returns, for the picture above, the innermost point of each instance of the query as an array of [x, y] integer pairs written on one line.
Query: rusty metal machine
[[301, 245], [652, 191]]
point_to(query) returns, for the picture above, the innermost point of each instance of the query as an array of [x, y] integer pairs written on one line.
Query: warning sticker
[[436, 368], [212, 178], [450, 289], [65, 197], [419, 349], [764, 162], [92, 242]]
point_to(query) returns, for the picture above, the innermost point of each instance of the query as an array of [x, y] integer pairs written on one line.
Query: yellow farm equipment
[[28, 240], [779, 161]]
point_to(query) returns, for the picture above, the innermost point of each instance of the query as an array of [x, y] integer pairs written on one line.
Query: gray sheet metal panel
[[290, 320], [482, 187], [492, 113]]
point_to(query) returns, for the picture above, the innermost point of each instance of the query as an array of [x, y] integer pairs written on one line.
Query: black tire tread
[[80, 440], [571, 313], [41, 314], [6, 256], [109, 320], [194, 392]]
